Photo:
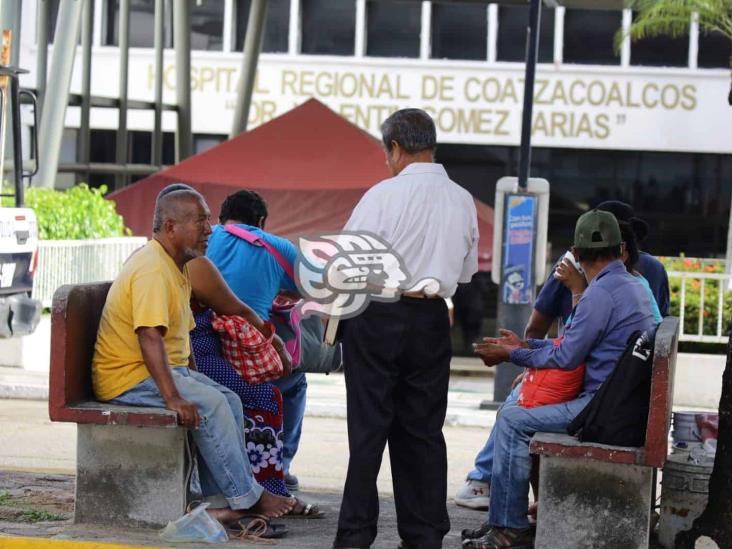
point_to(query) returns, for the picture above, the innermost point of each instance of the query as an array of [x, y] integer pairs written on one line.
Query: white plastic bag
[[196, 526]]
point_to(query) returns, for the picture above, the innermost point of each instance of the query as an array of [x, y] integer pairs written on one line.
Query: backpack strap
[[254, 240]]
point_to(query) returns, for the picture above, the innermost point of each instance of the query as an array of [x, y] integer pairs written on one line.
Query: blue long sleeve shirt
[[614, 305]]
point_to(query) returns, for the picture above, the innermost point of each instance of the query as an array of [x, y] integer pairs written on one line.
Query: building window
[[714, 51], [393, 29], [589, 36], [142, 24], [276, 27], [512, 23], [459, 31], [328, 28], [660, 51], [207, 25], [205, 141]]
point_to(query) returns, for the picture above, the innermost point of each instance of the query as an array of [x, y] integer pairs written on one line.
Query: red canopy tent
[[310, 165]]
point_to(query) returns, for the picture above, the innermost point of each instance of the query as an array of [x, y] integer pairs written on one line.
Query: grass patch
[[4, 498], [41, 516]]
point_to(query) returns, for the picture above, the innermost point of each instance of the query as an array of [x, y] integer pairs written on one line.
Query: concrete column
[[252, 47], [57, 92], [124, 70], [182, 40], [157, 138], [42, 54], [87, 31]]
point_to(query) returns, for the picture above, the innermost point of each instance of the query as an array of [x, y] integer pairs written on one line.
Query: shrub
[[693, 295], [78, 213]]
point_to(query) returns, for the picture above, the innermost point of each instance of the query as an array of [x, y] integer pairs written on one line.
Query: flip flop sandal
[[307, 511], [257, 529]]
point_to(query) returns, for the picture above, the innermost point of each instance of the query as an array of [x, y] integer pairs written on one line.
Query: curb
[[40, 543]]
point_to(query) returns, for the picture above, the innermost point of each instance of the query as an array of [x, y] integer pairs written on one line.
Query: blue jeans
[[294, 394], [484, 460], [511, 461], [223, 464]]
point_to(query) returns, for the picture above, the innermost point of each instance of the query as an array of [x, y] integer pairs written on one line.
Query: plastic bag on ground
[[196, 526]]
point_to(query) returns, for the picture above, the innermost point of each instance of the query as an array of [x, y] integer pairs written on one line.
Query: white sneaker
[[474, 494]]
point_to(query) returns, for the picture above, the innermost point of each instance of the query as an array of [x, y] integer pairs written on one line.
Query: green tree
[[672, 18]]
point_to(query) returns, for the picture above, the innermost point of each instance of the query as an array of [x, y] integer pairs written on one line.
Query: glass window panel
[[207, 25], [589, 35], [142, 24], [204, 141], [512, 23], [393, 29], [276, 27], [714, 51], [328, 28], [459, 31], [660, 51]]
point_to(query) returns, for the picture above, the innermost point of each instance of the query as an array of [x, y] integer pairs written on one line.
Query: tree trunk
[[716, 520]]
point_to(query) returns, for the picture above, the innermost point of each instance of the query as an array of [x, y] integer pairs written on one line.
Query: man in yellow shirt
[[143, 355]]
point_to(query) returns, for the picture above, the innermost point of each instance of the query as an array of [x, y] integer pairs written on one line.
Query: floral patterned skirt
[[262, 405]]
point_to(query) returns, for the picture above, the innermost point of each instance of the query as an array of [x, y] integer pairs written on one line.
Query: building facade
[[648, 124]]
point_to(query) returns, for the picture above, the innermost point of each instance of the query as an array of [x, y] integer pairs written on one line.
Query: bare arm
[[538, 325], [209, 287], [156, 360]]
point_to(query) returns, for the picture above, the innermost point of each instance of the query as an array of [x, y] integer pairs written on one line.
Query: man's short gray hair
[[167, 201], [413, 129]]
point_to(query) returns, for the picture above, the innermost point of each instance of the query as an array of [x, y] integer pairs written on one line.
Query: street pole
[[182, 39], [248, 73], [514, 316]]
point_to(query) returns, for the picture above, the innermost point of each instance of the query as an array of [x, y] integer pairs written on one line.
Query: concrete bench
[[132, 463], [594, 495]]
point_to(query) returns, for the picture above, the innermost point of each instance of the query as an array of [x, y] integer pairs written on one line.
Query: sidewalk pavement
[[326, 393]]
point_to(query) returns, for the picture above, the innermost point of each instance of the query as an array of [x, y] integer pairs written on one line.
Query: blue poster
[[518, 243]]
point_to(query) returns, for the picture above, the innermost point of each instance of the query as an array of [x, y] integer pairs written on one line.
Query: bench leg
[[592, 504], [130, 476]]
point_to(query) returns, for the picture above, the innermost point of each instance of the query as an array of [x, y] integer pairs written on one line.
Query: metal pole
[[17, 153], [182, 39], [124, 65], [252, 47], [514, 317], [157, 138], [87, 31], [57, 92], [42, 54], [532, 52]]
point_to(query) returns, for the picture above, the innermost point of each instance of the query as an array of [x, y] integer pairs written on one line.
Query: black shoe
[[476, 533]]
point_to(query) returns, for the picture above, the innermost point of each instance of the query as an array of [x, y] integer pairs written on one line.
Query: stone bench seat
[[601, 496], [133, 463]]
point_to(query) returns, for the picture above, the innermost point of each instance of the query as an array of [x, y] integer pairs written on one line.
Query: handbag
[[251, 354], [303, 337]]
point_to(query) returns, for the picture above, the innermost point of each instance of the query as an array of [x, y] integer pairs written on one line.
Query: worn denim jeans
[[223, 464], [511, 460], [294, 395]]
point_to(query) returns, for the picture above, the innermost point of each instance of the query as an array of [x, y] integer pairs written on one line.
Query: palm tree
[[672, 18]]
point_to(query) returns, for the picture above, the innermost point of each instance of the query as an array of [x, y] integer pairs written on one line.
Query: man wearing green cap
[[613, 306]]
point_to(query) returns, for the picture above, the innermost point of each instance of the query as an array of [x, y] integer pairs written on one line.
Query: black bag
[[618, 413]]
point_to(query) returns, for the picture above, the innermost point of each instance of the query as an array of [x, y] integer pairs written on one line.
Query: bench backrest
[[662, 392], [75, 315]]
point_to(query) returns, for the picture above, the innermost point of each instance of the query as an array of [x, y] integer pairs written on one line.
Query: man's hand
[[187, 412], [279, 346], [568, 275], [494, 350]]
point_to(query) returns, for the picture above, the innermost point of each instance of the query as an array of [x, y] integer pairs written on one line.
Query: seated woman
[[262, 403]]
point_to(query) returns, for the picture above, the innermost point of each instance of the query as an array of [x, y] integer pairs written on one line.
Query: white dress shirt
[[429, 221]]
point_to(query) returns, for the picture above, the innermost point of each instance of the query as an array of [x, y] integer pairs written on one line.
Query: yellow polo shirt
[[149, 291]]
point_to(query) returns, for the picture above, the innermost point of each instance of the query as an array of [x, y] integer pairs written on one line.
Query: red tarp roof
[[310, 165]]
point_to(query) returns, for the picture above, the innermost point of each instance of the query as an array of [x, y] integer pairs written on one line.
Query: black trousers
[[397, 368]]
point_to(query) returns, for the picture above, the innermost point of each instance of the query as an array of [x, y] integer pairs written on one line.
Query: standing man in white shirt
[[397, 354]]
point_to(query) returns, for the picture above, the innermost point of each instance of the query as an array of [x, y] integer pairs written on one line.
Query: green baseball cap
[[597, 229]]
